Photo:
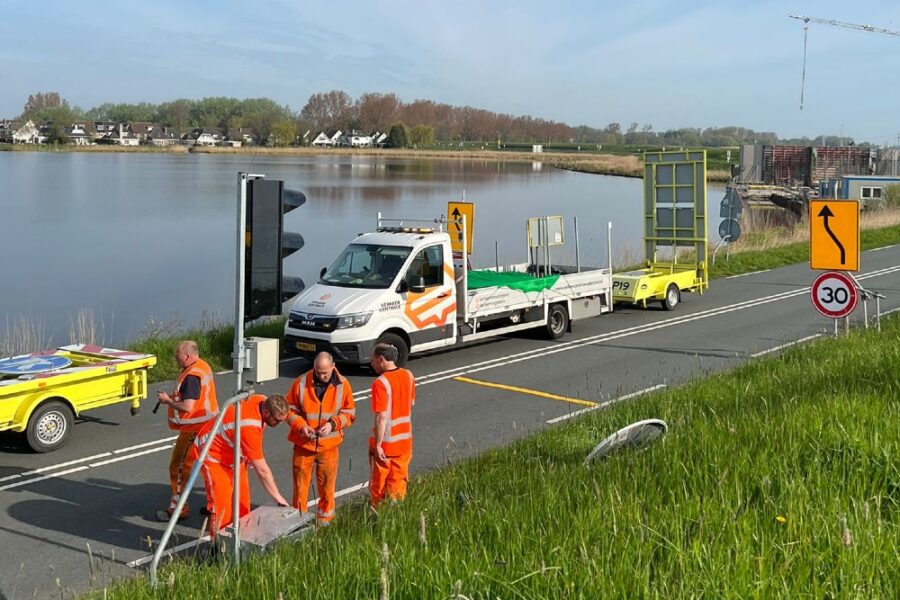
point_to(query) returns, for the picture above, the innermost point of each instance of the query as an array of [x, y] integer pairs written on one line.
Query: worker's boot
[[165, 515]]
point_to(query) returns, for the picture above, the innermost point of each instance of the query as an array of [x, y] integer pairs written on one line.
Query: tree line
[[417, 123]]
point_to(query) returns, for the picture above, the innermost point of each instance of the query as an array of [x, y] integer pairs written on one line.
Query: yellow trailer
[[675, 237], [42, 393]]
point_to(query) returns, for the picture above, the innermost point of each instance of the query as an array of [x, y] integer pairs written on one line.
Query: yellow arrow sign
[[834, 235], [455, 213]]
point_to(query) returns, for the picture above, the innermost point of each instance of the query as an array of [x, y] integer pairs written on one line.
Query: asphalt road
[[103, 488]]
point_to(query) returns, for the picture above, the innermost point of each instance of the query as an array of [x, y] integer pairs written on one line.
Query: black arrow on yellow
[[456, 218], [826, 213]]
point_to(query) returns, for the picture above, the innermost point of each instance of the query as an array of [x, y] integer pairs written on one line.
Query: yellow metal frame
[[651, 282], [80, 390]]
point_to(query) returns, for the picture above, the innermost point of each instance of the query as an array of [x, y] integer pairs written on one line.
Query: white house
[[355, 140], [80, 134], [336, 138], [322, 140], [26, 134], [122, 137]]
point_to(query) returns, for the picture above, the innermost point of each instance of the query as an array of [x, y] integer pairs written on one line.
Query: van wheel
[[397, 342], [672, 298], [49, 426], [557, 321]]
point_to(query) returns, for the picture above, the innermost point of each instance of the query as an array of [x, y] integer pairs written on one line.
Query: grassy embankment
[[779, 479]]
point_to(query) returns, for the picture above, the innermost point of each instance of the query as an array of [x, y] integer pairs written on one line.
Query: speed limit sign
[[834, 295]]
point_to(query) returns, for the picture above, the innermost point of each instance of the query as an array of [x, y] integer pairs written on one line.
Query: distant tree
[[40, 101], [398, 137], [284, 132], [57, 134], [176, 113], [377, 111], [331, 110], [421, 136]]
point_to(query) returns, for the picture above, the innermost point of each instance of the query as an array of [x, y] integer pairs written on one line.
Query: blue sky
[[671, 64]]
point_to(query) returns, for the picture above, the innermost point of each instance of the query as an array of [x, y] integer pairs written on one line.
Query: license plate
[[306, 346]]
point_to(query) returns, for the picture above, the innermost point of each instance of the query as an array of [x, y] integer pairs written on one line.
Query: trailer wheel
[[673, 297], [397, 342], [49, 426], [557, 321]]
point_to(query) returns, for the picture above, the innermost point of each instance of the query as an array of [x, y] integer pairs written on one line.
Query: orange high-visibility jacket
[[337, 406], [205, 407], [252, 425], [394, 392]]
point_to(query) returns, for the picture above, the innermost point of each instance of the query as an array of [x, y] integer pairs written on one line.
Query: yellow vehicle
[[42, 393], [675, 237]]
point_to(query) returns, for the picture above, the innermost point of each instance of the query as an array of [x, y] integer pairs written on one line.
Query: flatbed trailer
[[42, 393], [675, 232]]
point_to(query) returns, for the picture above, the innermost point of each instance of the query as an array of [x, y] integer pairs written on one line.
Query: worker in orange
[[257, 413], [322, 406], [390, 446], [191, 405]]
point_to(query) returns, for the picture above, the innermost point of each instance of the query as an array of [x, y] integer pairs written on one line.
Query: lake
[[146, 241]]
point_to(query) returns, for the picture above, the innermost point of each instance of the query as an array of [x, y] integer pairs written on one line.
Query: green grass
[[215, 345], [747, 262], [777, 480]]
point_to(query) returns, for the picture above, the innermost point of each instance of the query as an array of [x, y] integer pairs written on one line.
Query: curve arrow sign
[[826, 214]]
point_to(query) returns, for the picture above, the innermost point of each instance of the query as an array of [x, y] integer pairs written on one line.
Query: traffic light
[[266, 245]]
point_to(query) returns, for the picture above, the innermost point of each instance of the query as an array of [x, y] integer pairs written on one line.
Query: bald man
[[322, 408], [192, 404]]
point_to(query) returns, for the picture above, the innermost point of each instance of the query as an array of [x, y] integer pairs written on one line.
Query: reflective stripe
[[244, 423], [326, 514], [399, 421], [399, 437], [348, 411], [412, 388], [202, 419], [330, 435]]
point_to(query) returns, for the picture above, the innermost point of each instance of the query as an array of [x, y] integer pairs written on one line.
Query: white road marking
[[607, 403], [787, 345], [144, 445], [130, 456], [746, 274], [492, 364]]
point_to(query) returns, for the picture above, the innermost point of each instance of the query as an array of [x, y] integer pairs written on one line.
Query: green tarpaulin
[[516, 281]]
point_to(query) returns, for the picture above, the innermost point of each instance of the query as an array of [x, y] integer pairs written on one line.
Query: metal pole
[[238, 356], [577, 255], [547, 229], [835, 327], [192, 478], [497, 255], [866, 312], [609, 244], [877, 313], [847, 325], [465, 269]]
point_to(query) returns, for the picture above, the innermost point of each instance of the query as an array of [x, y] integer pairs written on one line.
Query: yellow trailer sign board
[[455, 213], [834, 235]]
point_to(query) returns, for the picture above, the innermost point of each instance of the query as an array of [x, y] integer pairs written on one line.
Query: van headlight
[[354, 320]]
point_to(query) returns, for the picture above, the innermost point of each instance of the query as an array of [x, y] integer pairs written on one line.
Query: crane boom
[[868, 28]]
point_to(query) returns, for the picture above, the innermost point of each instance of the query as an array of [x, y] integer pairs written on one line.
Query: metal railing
[[192, 479]]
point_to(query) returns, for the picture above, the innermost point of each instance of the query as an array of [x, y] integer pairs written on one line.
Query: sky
[[670, 64]]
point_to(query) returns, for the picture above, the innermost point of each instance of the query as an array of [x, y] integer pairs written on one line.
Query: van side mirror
[[402, 287], [322, 272], [418, 286]]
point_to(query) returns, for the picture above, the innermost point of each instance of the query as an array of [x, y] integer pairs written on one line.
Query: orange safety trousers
[[180, 465], [326, 464], [388, 478], [219, 481]]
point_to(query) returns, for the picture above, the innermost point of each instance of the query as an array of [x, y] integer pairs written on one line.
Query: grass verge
[[777, 480]]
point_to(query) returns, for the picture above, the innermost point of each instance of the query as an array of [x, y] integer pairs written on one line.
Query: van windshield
[[366, 266]]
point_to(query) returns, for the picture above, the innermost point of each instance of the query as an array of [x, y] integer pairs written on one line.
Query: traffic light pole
[[238, 359], [238, 352]]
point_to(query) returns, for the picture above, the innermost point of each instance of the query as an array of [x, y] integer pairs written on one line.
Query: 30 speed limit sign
[[834, 295]]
